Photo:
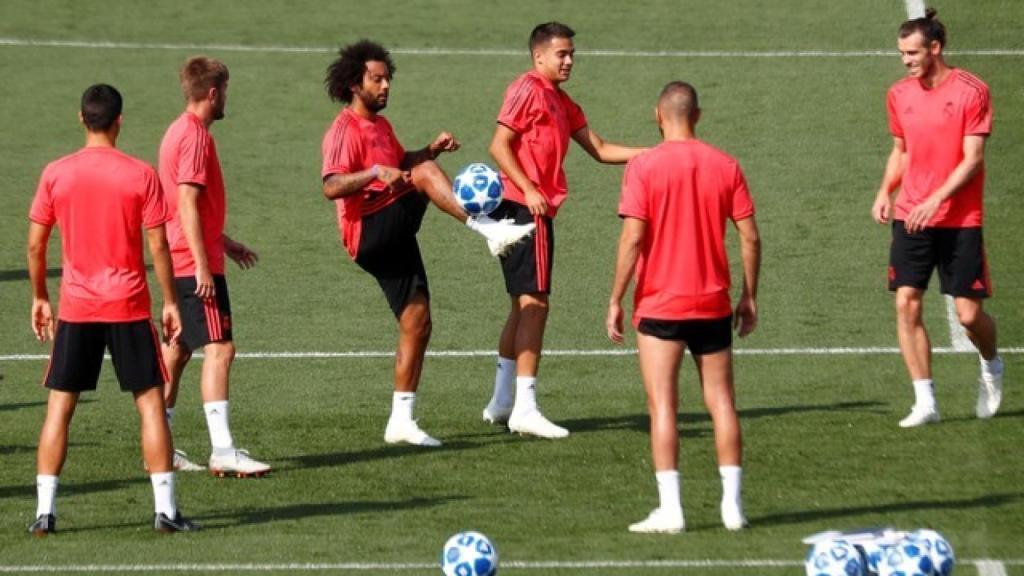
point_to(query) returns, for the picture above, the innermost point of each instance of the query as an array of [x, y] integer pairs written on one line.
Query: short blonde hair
[[199, 74]]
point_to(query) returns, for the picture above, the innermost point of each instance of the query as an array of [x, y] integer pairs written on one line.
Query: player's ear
[[81, 119]]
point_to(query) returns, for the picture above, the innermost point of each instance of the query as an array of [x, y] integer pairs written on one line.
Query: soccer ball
[[834, 558], [477, 189], [939, 550], [469, 554], [909, 557], [874, 553]]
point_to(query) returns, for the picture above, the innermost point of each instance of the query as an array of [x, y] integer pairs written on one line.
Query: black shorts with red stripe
[[388, 250], [957, 253], [203, 321], [78, 349], [527, 265]]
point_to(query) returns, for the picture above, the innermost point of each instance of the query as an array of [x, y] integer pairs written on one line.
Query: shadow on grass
[[800, 517], [640, 422], [332, 459], [20, 405], [28, 489], [22, 274]]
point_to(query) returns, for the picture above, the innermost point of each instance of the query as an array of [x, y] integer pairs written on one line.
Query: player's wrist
[[375, 171]]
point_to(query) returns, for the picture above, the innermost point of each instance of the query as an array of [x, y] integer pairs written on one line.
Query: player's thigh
[[659, 366], [77, 356], [136, 355], [912, 257], [528, 266], [203, 320], [963, 266]]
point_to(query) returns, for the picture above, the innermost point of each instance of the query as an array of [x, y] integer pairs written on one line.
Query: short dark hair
[[929, 27], [679, 99], [199, 74], [101, 105], [350, 66], [543, 33]]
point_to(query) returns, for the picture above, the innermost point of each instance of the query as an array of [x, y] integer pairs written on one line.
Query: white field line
[[985, 567], [485, 52], [843, 351], [957, 334]]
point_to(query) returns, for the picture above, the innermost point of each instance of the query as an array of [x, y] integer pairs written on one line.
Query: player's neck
[[678, 133], [937, 75], [201, 110], [100, 139], [359, 109]]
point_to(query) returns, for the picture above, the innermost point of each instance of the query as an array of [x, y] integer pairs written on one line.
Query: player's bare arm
[[501, 151], [602, 151], [974, 159], [745, 319], [881, 210], [188, 211], [632, 237], [444, 142], [170, 318], [342, 185], [241, 254], [42, 313]]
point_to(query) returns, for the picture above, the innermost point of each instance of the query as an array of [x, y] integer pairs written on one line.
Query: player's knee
[[908, 306], [222, 352], [968, 316], [424, 172]]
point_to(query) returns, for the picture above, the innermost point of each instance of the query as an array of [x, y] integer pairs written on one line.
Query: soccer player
[[381, 192], [939, 117], [192, 180], [675, 202], [530, 142], [102, 199]]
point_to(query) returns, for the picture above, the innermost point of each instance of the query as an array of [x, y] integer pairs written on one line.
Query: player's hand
[[922, 214], [242, 255], [394, 178], [881, 210], [745, 319], [613, 323], [42, 319], [444, 142], [170, 323], [536, 202], [205, 288]]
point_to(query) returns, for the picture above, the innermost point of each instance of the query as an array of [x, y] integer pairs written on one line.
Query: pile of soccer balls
[[469, 554], [477, 189], [917, 553]]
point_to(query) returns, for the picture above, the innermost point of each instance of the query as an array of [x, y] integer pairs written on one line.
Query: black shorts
[[958, 253], [388, 250], [78, 355], [203, 321], [527, 265], [701, 336]]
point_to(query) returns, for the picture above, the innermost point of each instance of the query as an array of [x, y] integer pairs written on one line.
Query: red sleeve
[[193, 157], [978, 114], [42, 205], [522, 99], [742, 203], [633, 201], [577, 119], [154, 208], [895, 128], [342, 151]]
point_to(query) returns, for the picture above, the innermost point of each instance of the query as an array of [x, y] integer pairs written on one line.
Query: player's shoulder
[[969, 82], [525, 82], [138, 164], [903, 85]]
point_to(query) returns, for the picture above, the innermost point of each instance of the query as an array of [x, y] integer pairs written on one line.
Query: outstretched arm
[[602, 151]]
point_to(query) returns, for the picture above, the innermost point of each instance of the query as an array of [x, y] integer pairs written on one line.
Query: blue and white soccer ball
[[909, 557], [874, 553], [477, 189], [834, 558], [939, 550], [469, 554]]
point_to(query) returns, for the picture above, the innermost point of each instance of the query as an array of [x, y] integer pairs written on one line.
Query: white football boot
[[661, 521], [501, 235], [238, 463], [183, 464], [497, 414], [534, 423], [919, 416], [990, 392], [399, 430]]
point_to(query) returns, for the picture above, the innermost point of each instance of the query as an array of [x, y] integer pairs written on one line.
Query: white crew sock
[[163, 493], [993, 366], [217, 424], [526, 394], [402, 404], [504, 383], [46, 489], [924, 393], [732, 484], [668, 490]]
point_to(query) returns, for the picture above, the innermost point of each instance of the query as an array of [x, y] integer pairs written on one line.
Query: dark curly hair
[[350, 66]]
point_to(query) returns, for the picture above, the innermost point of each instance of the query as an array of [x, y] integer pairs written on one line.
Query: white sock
[[46, 489], [732, 483], [169, 413], [924, 393], [668, 490], [402, 404], [504, 383], [163, 493], [993, 366], [217, 424], [526, 394]]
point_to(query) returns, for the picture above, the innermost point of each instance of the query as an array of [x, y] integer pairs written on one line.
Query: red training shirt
[[933, 123], [352, 144], [545, 118], [188, 155], [685, 191], [101, 199]]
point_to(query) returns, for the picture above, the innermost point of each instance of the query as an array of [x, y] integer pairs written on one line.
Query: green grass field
[[822, 447]]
